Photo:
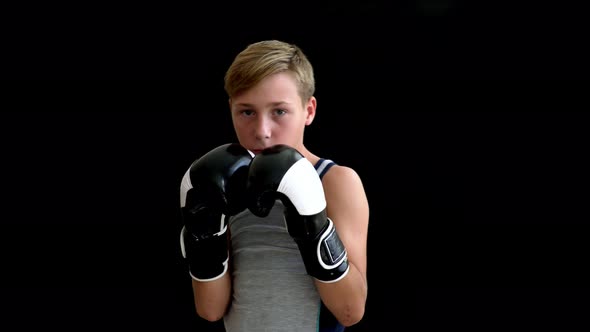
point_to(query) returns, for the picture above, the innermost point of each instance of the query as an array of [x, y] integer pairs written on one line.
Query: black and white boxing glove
[[281, 172], [211, 191]]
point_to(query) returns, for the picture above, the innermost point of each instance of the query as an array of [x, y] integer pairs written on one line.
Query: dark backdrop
[[467, 124]]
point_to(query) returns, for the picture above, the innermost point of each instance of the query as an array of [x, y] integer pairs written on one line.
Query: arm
[[211, 285], [212, 191], [212, 298], [281, 171], [348, 208]]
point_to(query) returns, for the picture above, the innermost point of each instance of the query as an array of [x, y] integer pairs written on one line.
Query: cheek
[[289, 131], [239, 124], [243, 130]]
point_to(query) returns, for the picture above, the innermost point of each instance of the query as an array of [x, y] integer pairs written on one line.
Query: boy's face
[[271, 113]]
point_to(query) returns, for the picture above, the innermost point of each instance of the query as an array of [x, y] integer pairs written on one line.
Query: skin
[[272, 112]]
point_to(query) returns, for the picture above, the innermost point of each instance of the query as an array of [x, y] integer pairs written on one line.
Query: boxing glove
[[212, 190], [281, 172]]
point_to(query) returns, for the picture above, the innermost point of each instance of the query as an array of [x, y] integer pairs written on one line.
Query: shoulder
[[341, 175], [343, 184], [337, 179]]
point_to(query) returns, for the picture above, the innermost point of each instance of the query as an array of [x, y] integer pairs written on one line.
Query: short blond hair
[[264, 58]]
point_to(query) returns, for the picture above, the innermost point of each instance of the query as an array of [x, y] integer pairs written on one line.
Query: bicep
[[349, 210]]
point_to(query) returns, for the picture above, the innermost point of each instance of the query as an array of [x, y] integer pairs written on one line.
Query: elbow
[[351, 316], [209, 315]]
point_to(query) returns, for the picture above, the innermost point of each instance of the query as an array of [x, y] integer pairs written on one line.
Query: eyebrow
[[278, 103]]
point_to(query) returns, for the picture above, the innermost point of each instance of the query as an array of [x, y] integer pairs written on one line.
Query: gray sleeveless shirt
[[271, 289]]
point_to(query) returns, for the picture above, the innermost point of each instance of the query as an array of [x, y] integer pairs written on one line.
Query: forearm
[[212, 297], [346, 297]]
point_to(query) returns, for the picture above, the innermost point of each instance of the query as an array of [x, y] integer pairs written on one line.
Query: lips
[[257, 151]]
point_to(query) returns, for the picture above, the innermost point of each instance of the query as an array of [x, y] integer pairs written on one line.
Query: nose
[[262, 128]]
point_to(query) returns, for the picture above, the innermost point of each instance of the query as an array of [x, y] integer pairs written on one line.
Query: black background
[[467, 124]]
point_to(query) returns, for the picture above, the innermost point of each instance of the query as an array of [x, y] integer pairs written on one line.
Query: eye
[[247, 113], [280, 112]]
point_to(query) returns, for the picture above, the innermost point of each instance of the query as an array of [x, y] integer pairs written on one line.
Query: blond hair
[[264, 58]]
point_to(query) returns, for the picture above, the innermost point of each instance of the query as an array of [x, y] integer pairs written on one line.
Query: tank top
[[271, 289]]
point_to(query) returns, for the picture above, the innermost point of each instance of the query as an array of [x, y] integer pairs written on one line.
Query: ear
[[310, 108]]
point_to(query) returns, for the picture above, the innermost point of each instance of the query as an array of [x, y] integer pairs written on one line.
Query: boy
[[287, 269]]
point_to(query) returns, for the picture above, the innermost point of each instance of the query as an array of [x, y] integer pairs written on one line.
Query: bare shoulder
[[344, 191], [342, 177]]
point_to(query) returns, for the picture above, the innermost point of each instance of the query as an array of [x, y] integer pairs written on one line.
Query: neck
[[307, 154]]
